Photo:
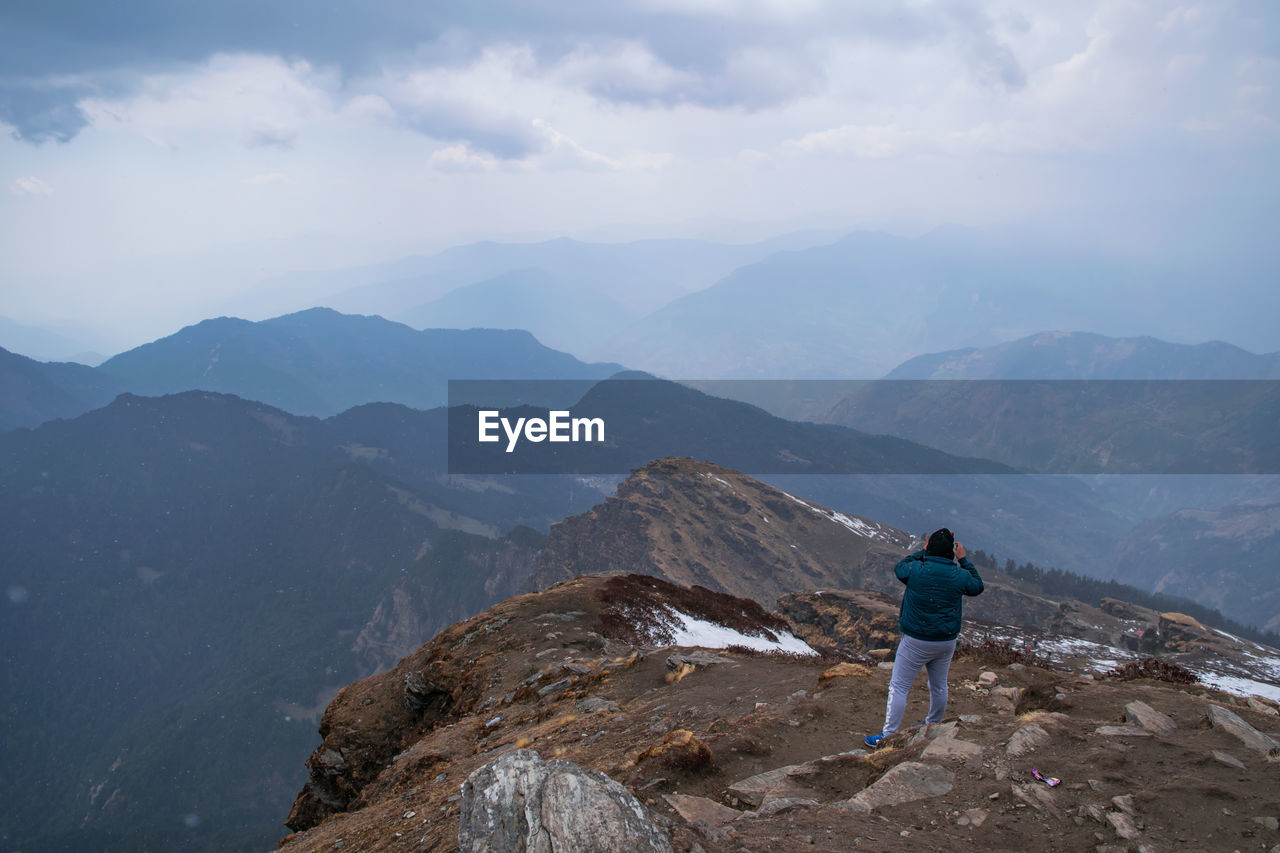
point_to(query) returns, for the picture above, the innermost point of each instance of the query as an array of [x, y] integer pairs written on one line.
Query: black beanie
[[942, 543]]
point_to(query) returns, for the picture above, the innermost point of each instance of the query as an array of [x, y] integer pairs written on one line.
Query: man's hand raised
[[960, 552]]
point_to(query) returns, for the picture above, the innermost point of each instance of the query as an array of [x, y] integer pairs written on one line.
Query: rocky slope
[[733, 749], [697, 523], [732, 727], [694, 522]]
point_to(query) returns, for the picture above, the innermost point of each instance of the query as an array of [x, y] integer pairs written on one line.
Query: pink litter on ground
[[1051, 781]]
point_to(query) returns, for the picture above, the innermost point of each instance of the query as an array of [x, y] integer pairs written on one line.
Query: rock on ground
[[1228, 721], [1228, 759], [753, 789], [1141, 714], [946, 745], [1026, 739], [519, 802], [904, 783], [1123, 825], [1121, 731], [694, 809]]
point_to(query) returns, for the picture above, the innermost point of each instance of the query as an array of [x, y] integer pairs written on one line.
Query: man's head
[[942, 543]]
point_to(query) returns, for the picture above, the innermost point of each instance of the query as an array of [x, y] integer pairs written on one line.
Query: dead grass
[[680, 750], [845, 670], [1153, 668], [633, 604], [679, 674], [999, 653]]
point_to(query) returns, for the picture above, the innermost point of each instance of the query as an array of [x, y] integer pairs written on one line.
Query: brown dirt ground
[[754, 713]]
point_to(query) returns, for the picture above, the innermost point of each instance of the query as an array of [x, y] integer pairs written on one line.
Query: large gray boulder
[[904, 783], [1141, 714], [1230, 722], [519, 803]]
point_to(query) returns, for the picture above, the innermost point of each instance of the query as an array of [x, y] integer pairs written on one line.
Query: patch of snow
[[854, 525], [688, 631], [1238, 686], [1098, 657], [720, 480], [1267, 664]]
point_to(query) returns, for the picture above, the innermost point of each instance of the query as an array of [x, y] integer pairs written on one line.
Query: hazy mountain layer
[[188, 580], [43, 344], [865, 304], [1225, 558], [320, 362], [32, 392], [568, 318], [1065, 427], [1081, 355], [642, 275]]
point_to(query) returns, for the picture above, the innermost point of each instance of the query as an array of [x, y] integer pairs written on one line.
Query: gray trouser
[[912, 655]]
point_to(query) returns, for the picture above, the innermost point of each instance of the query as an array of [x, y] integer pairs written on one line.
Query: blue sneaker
[[873, 741]]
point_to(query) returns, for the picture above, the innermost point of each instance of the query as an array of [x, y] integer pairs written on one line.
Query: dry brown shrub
[[679, 674], [634, 604], [679, 750], [845, 670]]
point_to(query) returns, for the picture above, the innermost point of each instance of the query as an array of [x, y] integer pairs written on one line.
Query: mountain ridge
[[321, 362], [1084, 355]]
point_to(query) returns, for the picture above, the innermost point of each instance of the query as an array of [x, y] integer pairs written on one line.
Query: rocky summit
[[702, 665], [684, 719]]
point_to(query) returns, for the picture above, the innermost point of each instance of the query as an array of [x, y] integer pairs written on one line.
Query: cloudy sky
[[153, 152]]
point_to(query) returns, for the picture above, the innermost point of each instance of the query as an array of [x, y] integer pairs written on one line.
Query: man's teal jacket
[[936, 586]]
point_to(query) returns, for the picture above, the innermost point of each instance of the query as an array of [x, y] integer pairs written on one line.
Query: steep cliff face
[[697, 523], [462, 574]]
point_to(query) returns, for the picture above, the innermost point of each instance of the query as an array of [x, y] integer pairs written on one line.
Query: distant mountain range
[[647, 418], [1225, 558], [564, 317], [320, 362], [165, 557], [1081, 426], [863, 305], [315, 362], [45, 344], [641, 275], [1083, 355], [190, 577], [32, 392]]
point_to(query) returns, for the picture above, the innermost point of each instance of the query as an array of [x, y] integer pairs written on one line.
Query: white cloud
[[552, 151], [625, 70], [30, 186], [462, 158], [822, 114], [875, 140], [267, 178], [256, 100]]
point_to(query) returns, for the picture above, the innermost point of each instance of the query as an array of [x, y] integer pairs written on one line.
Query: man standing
[[930, 622]]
